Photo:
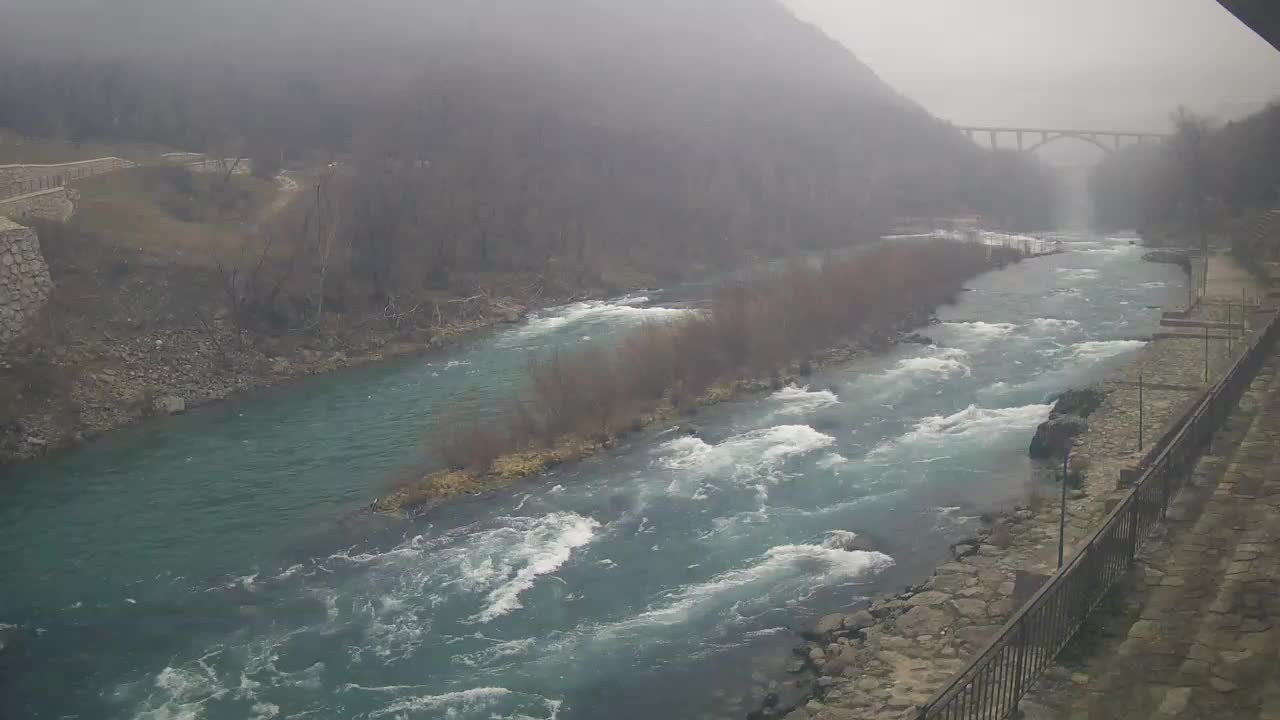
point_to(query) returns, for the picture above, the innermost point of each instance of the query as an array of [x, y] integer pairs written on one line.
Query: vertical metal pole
[[1140, 412], [1134, 517], [1062, 515], [1244, 298], [1019, 665], [1230, 332], [1206, 354]]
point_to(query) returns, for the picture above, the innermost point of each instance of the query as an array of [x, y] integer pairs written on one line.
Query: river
[[218, 565]]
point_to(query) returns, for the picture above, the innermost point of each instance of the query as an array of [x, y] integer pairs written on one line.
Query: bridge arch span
[[1092, 140], [1039, 137]]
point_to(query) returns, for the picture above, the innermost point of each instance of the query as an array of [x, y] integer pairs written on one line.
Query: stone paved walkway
[[1197, 635]]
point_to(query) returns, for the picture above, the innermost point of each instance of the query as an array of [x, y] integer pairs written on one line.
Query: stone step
[[1182, 322], [1173, 335]]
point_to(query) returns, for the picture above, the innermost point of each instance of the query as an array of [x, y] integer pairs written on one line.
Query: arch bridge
[[1029, 139]]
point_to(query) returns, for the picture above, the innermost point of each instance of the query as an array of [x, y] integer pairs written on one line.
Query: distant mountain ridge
[[742, 81]]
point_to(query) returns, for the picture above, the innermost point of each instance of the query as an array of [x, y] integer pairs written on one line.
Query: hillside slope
[[742, 86], [459, 160]]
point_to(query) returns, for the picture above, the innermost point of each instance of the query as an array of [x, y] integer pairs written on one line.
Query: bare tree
[[326, 233], [1188, 144]]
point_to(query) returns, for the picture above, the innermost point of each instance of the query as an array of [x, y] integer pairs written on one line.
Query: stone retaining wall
[[25, 179], [24, 278], [55, 205]]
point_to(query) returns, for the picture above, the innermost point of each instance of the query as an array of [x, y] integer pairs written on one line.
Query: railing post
[[1206, 355], [1167, 491], [1019, 666], [1062, 516], [1140, 418]]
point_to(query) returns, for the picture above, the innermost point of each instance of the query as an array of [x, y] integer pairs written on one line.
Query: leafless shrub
[[751, 328], [463, 447]]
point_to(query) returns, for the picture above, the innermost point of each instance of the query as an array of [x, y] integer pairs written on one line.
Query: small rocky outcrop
[[846, 540], [1081, 402], [1054, 436], [916, 339], [1172, 257], [1067, 420], [169, 405]]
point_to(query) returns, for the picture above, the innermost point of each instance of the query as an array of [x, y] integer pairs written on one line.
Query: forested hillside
[[574, 135], [1217, 179]]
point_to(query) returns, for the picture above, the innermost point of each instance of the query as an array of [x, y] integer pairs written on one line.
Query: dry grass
[[135, 210]]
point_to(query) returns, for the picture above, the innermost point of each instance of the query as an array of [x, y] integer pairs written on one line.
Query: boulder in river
[[846, 540]]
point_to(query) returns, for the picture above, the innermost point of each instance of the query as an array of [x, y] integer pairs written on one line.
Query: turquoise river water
[[219, 565]]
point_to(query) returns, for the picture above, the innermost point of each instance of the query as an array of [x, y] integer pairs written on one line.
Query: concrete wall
[[55, 205], [24, 279], [26, 179]]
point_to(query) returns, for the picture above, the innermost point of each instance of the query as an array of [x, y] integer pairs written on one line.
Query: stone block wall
[[55, 205], [25, 179], [25, 284]]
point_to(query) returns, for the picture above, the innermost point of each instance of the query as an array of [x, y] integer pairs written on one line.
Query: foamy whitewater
[[221, 566], [583, 317]]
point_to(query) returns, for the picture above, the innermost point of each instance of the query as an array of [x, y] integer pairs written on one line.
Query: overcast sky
[[1114, 64]]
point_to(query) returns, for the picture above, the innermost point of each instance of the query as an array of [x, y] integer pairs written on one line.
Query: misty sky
[[1114, 64]]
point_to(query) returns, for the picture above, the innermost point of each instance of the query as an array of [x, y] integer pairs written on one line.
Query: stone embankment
[[885, 661], [55, 204], [114, 377], [41, 192], [24, 279], [26, 179]]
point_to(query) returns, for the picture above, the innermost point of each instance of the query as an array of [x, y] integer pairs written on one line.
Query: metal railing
[[996, 679]]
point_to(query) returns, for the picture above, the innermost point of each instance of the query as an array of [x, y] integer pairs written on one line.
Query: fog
[[822, 106], [1110, 64], [1077, 63]]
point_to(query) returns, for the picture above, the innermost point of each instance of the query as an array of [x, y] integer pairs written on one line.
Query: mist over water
[[219, 567]]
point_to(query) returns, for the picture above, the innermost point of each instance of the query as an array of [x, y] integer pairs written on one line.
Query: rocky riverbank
[[72, 389], [885, 660]]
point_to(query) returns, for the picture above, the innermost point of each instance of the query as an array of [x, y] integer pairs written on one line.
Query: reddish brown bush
[[461, 446], [754, 327]]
